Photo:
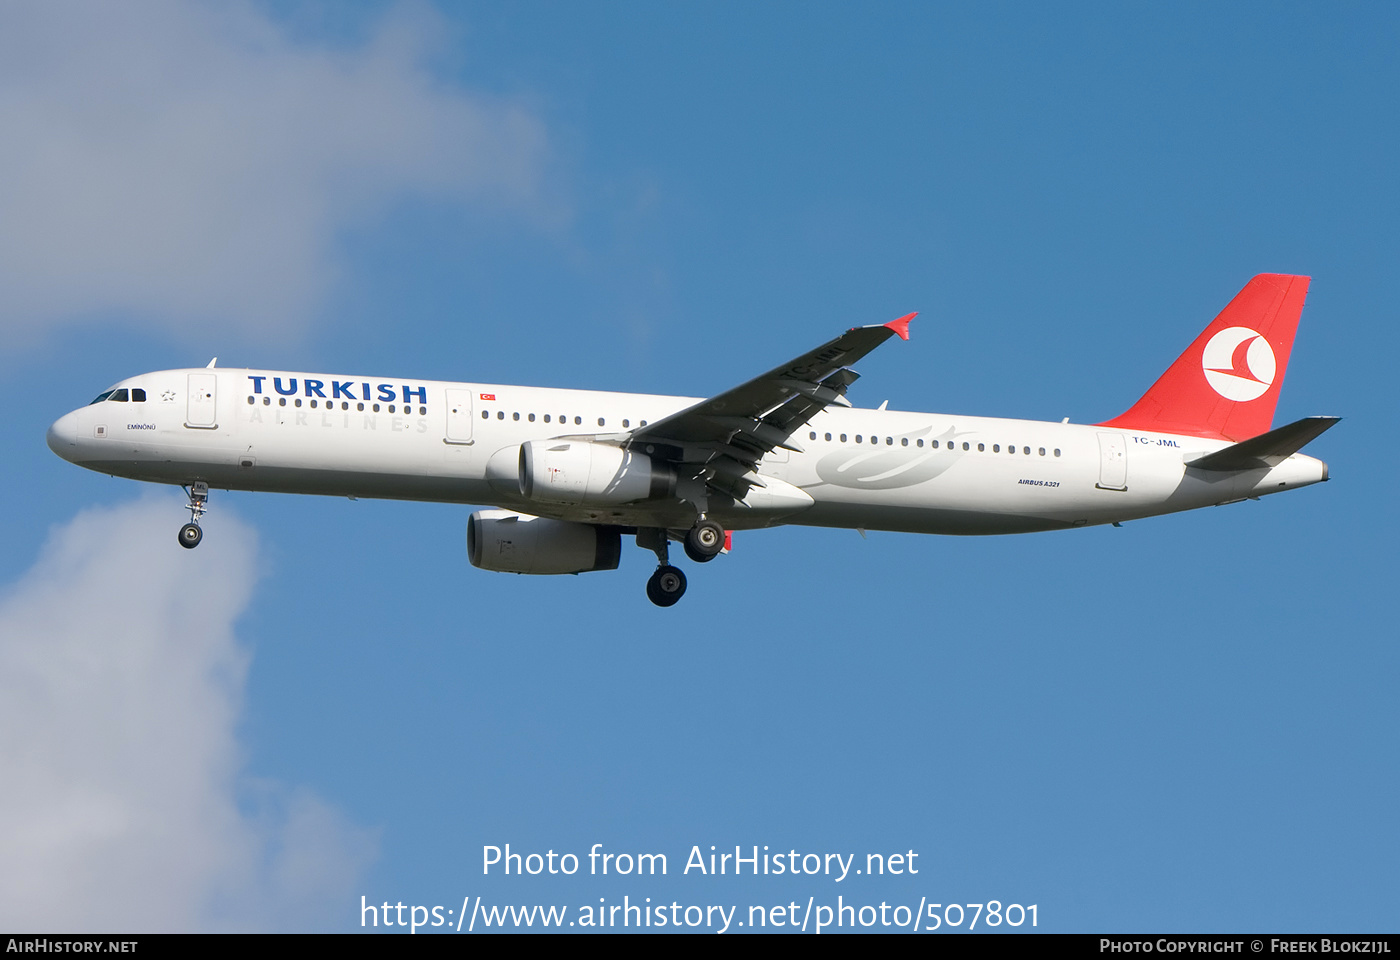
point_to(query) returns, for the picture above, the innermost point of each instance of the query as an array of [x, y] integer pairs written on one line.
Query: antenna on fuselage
[[210, 364]]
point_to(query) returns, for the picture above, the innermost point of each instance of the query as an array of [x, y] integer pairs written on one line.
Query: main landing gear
[[666, 586], [703, 542], [190, 533]]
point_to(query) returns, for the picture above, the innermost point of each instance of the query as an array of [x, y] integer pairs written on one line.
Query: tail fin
[[1226, 385]]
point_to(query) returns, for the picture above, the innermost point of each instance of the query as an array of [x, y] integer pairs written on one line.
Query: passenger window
[[250, 401], [391, 408], [138, 395], [486, 414], [1057, 451], [532, 417], [904, 441], [359, 406], [966, 446], [298, 402], [843, 438], [814, 434], [515, 416], [921, 443], [644, 423], [500, 414], [934, 444], [981, 448], [626, 423], [267, 401], [857, 438], [281, 401], [376, 408], [996, 448], [546, 418], [1042, 451], [1026, 451], [578, 420], [600, 421], [422, 411], [889, 441]]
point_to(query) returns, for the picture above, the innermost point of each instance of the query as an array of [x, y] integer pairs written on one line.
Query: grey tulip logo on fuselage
[[891, 466]]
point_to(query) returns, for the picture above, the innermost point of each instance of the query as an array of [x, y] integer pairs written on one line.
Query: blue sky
[[1187, 723]]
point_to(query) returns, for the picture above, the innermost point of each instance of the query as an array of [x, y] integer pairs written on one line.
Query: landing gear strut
[[190, 533], [667, 584], [704, 541]]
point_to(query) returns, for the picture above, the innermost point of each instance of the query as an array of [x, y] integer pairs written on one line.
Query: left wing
[[725, 437]]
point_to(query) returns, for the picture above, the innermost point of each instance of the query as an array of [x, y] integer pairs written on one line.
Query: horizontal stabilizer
[[1268, 449]]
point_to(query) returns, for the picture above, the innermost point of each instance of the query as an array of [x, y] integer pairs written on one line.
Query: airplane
[[568, 473]]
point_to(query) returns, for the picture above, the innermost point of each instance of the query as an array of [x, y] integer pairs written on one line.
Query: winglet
[[901, 326]]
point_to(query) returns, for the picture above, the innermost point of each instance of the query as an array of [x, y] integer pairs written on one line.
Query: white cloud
[[123, 806], [185, 164]]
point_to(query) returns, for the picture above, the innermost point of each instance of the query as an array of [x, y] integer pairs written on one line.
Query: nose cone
[[63, 436]]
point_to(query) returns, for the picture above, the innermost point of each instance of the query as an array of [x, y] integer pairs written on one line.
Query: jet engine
[[519, 543], [575, 472]]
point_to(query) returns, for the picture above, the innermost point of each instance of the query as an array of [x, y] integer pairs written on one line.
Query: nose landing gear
[[190, 534]]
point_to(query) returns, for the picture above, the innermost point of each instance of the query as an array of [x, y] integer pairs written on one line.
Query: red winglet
[[901, 326]]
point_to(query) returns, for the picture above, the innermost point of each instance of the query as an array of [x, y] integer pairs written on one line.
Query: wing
[[724, 438]]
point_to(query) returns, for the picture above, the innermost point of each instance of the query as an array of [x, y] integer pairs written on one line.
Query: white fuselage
[[459, 443]]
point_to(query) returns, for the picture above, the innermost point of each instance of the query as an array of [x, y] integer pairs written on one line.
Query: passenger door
[[201, 408], [459, 416], [1113, 462]]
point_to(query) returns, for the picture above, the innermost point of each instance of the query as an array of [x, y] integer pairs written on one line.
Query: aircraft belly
[[944, 520], [227, 474]]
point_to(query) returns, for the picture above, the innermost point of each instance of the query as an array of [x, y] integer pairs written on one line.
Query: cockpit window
[[102, 396], [138, 395], [120, 396]]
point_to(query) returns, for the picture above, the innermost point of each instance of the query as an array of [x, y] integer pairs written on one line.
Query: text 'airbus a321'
[[570, 472]]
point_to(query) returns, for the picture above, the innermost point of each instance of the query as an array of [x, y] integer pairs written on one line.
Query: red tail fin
[[1226, 384]]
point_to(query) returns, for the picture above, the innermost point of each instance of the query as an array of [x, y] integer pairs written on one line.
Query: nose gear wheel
[[190, 533]]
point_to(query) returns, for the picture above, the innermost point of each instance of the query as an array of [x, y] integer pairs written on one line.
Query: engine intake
[[519, 543], [576, 472]]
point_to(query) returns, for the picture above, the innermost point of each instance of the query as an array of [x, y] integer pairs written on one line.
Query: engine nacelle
[[577, 472], [519, 543]]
